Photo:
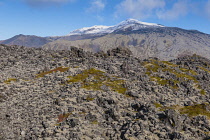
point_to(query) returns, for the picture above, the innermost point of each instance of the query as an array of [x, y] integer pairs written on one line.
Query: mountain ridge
[[143, 39], [101, 29], [165, 43]]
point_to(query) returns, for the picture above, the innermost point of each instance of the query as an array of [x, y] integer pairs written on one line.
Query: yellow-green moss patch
[[169, 63], [167, 69], [203, 92], [204, 69], [159, 80], [93, 79], [188, 70], [195, 110], [94, 122], [181, 73], [151, 67], [157, 105], [185, 76], [8, 81], [61, 69], [89, 98], [191, 111]]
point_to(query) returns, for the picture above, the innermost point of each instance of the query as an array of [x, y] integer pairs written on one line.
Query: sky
[[59, 17]]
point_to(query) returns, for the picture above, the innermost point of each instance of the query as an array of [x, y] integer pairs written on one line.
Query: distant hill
[[27, 40]]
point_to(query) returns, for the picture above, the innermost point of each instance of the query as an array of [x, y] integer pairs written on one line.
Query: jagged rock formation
[[80, 95]]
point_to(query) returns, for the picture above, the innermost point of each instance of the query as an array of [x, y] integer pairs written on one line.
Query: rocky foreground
[[74, 95]]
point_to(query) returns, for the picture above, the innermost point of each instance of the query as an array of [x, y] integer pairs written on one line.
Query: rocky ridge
[[81, 95]]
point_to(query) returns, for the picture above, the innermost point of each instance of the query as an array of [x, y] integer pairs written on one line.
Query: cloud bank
[[161, 9], [139, 8], [96, 6], [179, 9]]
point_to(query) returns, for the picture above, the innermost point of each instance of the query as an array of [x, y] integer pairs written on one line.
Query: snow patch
[[132, 24]]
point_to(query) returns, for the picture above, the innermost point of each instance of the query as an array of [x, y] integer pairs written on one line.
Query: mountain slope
[[27, 40], [165, 43]]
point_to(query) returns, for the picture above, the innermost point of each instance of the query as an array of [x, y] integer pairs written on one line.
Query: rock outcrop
[[80, 95]]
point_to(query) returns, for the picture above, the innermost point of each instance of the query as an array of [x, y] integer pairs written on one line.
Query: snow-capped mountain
[[130, 24], [143, 39], [91, 30]]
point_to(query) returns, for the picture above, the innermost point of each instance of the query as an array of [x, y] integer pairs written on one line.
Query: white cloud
[[161, 9], [96, 6], [36, 3], [180, 8], [139, 8]]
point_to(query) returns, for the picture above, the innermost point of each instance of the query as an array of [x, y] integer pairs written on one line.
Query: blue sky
[[59, 17]]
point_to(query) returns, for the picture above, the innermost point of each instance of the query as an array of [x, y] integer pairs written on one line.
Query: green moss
[[188, 70], [90, 99], [8, 81], [82, 113], [198, 86], [154, 66], [191, 111], [164, 108], [169, 63], [94, 122], [58, 124], [203, 92], [168, 70], [204, 69], [174, 81], [193, 72], [148, 73], [184, 69], [159, 80], [185, 76], [116, 85], [136, 120], [61, 69], [195, 110], [157, 105], [93, 79]]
